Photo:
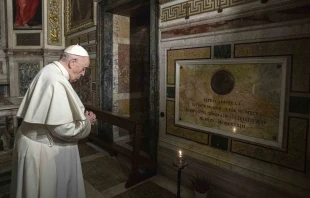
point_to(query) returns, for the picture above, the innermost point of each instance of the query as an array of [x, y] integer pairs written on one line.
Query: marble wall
[[83, 33], [181, 9], [0, 31], [4, 92], [3, 78], [86, 88], [27, 71], [3, 63], [130, 60], [250, 30], [121, 72], [21, 47]]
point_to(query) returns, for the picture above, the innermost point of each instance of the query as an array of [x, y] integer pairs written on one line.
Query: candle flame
[[180, 153]]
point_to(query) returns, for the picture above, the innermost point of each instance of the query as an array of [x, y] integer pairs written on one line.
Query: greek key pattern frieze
[[194, 7]]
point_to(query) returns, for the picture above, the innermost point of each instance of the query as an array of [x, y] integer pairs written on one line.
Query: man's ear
[[71, 63]]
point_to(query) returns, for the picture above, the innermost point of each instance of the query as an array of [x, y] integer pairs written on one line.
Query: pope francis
[[46, 160]]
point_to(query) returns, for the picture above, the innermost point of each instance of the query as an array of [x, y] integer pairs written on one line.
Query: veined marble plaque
[[241, 98]]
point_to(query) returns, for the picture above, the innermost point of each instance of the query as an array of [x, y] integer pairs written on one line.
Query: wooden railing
[[9, 127], [135, 128]]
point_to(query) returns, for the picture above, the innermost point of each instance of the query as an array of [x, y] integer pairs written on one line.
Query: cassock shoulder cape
[[51, 99]]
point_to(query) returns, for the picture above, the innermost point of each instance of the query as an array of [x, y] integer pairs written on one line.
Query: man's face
[[78, 67]]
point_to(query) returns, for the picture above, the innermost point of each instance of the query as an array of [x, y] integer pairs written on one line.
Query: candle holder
[[181, 164]]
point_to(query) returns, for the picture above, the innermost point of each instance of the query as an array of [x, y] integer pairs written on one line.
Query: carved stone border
[[194, 7]]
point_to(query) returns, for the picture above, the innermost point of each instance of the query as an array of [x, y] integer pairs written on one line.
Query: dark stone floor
[[147, 190]]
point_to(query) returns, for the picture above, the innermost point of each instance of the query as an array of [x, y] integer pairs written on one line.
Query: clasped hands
[[90, 116]]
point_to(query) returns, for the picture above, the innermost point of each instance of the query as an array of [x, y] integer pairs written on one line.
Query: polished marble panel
[[123, 68], [91, 192], [182, 132], [114, 191], [222, 51], [86, 150], [92, 157], [147, 189], [139, 56], [103, 173], [294, 158], [170, 185], [27, 72], [299, 105], [185, 54], [92, 65], [170, 92], [83, 87], [297, 49], [123, 107], [121, 26]]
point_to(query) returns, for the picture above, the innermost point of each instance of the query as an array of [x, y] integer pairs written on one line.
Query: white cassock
[[46, 161]]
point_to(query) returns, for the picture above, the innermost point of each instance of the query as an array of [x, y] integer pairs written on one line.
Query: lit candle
[[180, 157], [180, 154]]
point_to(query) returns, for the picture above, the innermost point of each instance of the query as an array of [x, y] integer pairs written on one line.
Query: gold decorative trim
[[70, 27], [194, 7], [54, 22]]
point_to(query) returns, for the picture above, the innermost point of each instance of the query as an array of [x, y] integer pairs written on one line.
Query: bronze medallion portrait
[[222, 82]]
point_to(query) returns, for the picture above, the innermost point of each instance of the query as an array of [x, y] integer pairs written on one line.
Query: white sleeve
[[72, 131]]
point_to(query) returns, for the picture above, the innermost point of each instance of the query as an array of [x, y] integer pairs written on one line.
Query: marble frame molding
[[15, 32], [11, 42], [277, 60], [14, 71], [4, 74]]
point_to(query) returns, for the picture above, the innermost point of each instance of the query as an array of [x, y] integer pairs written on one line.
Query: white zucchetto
[[76, 50]]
